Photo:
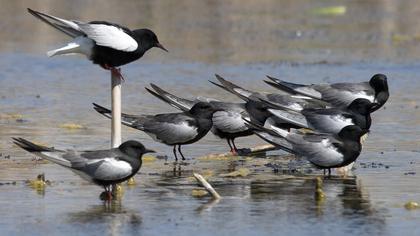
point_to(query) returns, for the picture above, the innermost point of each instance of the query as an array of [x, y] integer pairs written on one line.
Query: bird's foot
[[233, 152], [106, 196], [117, 72]]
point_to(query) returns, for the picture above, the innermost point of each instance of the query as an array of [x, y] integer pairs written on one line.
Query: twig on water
[[207, 186]]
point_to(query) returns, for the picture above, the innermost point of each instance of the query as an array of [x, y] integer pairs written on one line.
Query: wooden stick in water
[[207, 186], [116, 110]]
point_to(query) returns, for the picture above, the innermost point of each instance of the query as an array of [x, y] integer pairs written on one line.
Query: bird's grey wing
[[171, 128], [341, 95], [327, 120], [109, 35], [69, 27], [291, 117], [229, 121], [317, 148], [293, 88]]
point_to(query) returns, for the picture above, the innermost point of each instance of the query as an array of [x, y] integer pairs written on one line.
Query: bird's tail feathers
[[48, 153], [68, 27], [177, 102], [283, 85], [233, 88], [126, 119], [30, 146]]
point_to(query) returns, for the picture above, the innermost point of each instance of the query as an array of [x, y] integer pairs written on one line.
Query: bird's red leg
[[114, 70]]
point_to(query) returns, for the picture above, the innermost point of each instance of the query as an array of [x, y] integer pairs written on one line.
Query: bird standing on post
[[106, 44]]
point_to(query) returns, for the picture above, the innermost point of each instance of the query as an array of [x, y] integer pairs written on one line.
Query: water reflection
[[346, 199], [111, 216]]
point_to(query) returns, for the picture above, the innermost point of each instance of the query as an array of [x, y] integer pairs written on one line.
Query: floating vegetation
[[411, 205], [71, 126], [242, 172], [331, 11], [199, 193]]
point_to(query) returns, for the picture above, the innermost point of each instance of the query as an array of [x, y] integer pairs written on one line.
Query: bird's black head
[[203, 110], [147, 39], [379, 83], [133, 149], [258, 111], [361, 106], [352, 133]]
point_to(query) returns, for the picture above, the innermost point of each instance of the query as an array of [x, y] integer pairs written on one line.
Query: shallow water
[[38, 94]]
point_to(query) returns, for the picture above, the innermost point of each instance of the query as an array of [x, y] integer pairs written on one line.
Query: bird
[[173, 129], [102, 167], [227, 121], [340, 94], [296, 102], [328, 120], [325, 151], [104, 43]]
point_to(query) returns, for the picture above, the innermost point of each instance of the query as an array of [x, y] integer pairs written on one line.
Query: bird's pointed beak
[[149, 151], [158, 45]]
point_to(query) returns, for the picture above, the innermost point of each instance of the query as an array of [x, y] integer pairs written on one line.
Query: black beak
[[158, 45], [148, 150]]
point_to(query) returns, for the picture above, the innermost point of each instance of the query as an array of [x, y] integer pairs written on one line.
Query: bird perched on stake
[[228, 120], [174, 129], [106, 44], [325, 151], [340, 94], [328, 120], [102, 167], [295, 102]]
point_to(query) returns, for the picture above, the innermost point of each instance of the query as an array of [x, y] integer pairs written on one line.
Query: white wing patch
[[308, 91], [295, 107], [112, 169], [230, 122], [325, 154], [109, 36], [174, 133]]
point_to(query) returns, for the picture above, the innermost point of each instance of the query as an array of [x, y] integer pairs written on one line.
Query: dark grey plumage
[[174, 129], [340, 94], [228, 121], [325, 151], [329, 120]]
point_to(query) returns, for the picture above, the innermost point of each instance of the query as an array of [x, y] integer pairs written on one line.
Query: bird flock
[[325, 123]]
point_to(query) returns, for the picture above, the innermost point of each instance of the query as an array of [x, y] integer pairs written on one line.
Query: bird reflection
[[342, 196], [111, 213]]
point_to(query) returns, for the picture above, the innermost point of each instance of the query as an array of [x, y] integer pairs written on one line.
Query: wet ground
[[40, 96]]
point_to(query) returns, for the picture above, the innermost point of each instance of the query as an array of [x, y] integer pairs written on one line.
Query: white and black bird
[[328, 120], [174, 129], [102, 167], [340, 94], [107, 44], [325, 151], [228, 121], [295, 102]]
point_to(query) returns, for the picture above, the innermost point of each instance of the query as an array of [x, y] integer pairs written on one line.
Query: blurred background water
[[299, 41]]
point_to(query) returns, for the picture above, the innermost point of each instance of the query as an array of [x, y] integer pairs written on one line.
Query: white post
[[116, 110]]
